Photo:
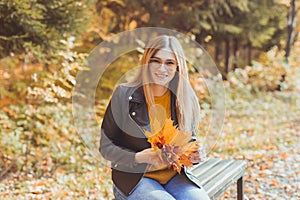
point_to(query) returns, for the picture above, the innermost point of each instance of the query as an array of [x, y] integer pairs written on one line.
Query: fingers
[[155, 158], [155, 161], [149, 156], [195, 157]]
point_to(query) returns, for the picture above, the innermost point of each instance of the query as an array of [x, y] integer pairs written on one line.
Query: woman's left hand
[[198, 155], [195, 157]]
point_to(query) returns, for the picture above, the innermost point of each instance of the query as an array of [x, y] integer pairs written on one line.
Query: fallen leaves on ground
[[266, 133]]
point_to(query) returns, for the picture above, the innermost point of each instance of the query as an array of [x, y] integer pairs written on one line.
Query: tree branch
[[13, 37]]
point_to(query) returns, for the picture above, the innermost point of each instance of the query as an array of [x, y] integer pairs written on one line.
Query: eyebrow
[[169, 59]]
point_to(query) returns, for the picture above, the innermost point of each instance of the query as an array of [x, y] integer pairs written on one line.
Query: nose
[[162, 67]]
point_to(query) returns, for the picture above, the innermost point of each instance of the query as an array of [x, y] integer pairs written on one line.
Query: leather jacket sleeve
[[111, 136]]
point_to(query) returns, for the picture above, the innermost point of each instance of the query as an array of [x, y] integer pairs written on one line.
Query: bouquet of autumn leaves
[[175, 145]]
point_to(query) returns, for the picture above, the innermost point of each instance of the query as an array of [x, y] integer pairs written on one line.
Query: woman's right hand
[[149, 156]]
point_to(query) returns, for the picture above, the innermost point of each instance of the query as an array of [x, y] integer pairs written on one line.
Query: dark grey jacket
[[122, 135]]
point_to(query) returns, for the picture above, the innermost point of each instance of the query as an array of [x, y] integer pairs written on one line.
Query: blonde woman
[[162, 82]]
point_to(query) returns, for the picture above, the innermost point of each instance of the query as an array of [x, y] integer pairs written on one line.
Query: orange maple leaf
[[174, 144], [184, 161]]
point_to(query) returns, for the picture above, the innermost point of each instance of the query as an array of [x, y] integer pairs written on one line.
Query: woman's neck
[[158, 90]]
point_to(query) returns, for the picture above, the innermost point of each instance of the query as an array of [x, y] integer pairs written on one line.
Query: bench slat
[[214, 171], [202, 168], [223, 180]]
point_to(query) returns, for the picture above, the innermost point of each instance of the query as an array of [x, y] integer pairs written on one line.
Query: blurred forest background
[[43, 44]]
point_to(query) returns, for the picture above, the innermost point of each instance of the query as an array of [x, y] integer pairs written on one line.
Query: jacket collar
[[138, 95]]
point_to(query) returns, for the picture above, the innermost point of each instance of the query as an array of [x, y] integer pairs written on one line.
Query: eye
[[170, 63], [154, 61]]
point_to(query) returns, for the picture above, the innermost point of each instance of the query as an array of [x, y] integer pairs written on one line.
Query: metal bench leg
[[240, 188]]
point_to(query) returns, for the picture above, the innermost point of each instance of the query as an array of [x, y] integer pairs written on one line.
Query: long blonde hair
[[187, 105]]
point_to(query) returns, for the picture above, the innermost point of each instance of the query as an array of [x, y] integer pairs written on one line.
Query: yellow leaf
[[169, 131], [181, 138]]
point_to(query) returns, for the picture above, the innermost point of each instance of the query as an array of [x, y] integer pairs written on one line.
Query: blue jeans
[[178, 188]]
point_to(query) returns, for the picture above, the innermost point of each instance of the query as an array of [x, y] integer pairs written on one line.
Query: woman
[[162, 80]]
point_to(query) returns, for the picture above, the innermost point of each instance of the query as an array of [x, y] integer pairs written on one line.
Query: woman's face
[[162, 67]]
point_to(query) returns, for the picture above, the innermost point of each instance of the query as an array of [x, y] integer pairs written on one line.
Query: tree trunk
[[249, 53], [218, 51], [291, 36], [291, 27], [200, 39], [46, 67], [227, 56], [235, 53]]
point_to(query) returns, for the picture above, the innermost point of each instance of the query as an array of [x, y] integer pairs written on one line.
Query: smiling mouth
[[161, 76]]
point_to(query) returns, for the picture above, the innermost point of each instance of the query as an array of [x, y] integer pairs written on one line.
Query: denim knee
[[118, 194]]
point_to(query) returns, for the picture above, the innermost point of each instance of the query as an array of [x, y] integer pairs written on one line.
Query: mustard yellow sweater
[[165, 174]]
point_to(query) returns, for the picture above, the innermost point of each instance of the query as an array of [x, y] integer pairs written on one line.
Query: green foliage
[[260, 22], [37, 26], [251, 24], [185, 16], [266, 24], [114, 72]]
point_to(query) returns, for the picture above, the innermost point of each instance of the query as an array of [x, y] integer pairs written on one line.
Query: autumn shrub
[[41, 147], [36, 123], [57, 85], [266, 74], [199, 85], [39, 139], [33, 84]]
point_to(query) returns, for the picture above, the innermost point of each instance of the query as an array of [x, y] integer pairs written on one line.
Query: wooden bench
[[216, 175]]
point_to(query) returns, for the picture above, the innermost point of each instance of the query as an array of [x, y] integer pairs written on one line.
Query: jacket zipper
[[138, 125], [147, 164]]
